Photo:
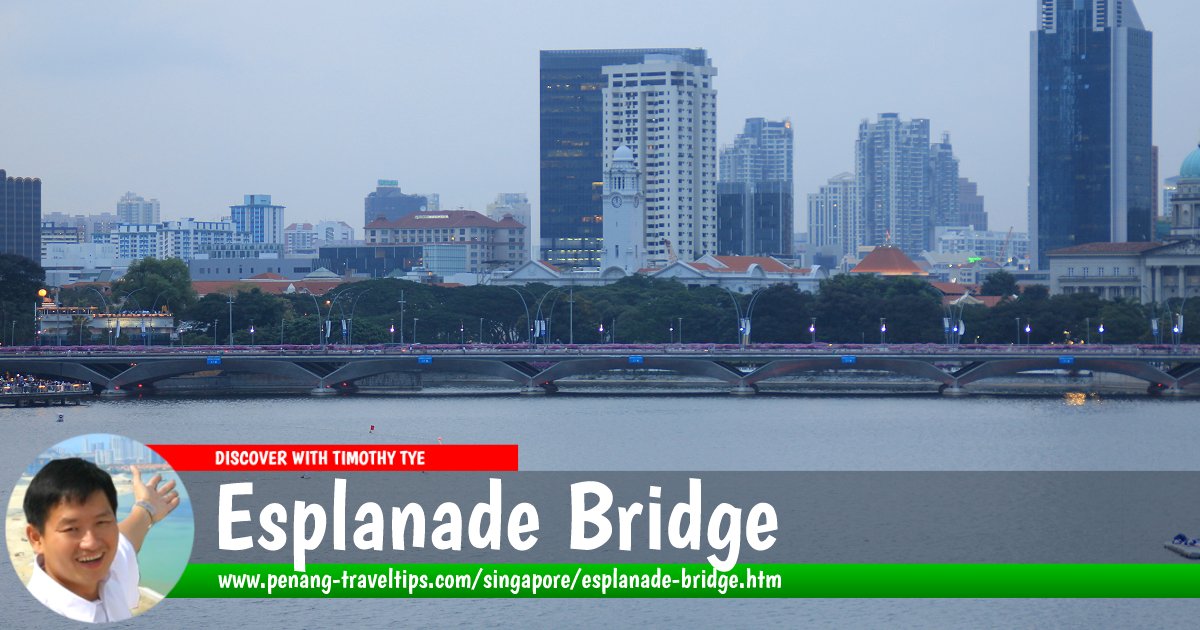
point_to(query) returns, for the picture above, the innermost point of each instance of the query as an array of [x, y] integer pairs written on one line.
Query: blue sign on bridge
[[849, 359], [636, 359], [214, 360], [1066, 359], [425, 359]]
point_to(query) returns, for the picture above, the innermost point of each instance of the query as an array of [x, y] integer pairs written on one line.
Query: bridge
[[116, 371]]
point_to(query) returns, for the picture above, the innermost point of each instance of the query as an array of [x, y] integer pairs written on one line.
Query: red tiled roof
[[507, 221], [888, 260], [1135, 247], [954, 288], [743, 263], [267, 275]]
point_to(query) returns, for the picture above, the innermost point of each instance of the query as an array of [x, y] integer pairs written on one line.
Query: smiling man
[[86, 567]]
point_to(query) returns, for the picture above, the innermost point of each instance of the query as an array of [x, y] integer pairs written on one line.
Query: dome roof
[[1191, 165], [888, 260], [623, 153]]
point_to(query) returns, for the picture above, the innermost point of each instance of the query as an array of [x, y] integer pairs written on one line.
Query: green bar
[[646, 580]]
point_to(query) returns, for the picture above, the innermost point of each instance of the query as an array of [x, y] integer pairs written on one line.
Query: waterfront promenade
[[116, 370]]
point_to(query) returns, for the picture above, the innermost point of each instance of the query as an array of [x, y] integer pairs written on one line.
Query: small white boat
[[1191, 552]]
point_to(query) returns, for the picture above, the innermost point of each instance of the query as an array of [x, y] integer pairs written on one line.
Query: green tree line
[[845, 309]]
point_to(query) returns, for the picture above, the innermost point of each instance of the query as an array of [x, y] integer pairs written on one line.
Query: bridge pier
[[115, 392], [531, 389], [953, 391], [322, 390], [742, 389]]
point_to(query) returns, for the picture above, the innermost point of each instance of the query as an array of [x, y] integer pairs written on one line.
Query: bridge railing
[[762, 348]]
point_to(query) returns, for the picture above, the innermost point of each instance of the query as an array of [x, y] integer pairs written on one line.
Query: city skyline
[[328, 96]]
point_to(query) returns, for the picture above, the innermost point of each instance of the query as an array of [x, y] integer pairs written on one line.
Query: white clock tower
[[624, 215]]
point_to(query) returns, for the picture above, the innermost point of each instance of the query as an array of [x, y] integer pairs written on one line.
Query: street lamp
[[601, 332], [1018, 331], [812, 330], [528, 323], [231, 319], [882, 330], [214, 334], [1101, 329], [415, 320], [462, 335], [401, 300], [37, 317], [1028, 329], [392, 330], [105, 301], [671, 332], [681, 331], [252, 332], [746, 317]]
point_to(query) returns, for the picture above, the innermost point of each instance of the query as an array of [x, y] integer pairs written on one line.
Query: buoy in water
[[60, 417], [372, 428]]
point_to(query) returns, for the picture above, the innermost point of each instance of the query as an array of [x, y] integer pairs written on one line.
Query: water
[[661, 432]]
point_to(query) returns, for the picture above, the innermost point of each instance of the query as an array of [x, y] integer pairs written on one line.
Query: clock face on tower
[[616, 201]]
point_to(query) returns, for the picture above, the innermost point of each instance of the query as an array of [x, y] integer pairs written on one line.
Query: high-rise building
[[833, 227], [941, 182], [573, 151], [664, 109], [970, 205], [891, 156], [755, 196], [52, 233], [187, 238], [258, 219], [390, 204], [1090, 122], [133, 208], [21, 216]]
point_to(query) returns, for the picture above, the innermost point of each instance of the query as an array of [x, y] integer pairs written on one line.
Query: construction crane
[[671, 257], [1008, 255]]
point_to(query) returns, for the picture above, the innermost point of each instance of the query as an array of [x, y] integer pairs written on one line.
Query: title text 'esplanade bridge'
[[115, 371]]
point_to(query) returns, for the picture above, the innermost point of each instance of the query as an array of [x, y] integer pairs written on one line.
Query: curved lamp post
[[105, 301], [746, 317], [527, 321], [354, 305]]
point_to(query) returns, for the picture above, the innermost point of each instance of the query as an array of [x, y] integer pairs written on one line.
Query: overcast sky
[[198, 103]]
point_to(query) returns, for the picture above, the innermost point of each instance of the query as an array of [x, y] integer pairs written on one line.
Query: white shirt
[[118, 592]]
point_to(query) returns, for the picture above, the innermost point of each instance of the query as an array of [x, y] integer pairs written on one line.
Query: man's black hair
[[73, 480]]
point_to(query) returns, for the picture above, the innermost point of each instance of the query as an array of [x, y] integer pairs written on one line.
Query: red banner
[[340, 457]]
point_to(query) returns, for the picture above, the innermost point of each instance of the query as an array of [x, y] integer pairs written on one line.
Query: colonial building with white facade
[[665, 111]]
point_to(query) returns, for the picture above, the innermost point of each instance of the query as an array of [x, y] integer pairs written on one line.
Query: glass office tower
[[1091, 168], [21, 216]]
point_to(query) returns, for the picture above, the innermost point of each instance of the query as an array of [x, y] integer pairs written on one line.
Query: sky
[[197, 104]]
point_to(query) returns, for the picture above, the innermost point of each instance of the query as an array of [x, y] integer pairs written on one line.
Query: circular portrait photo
[[99, 528]]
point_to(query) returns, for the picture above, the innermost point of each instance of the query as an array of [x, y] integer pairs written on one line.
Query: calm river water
[[657, 432]]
